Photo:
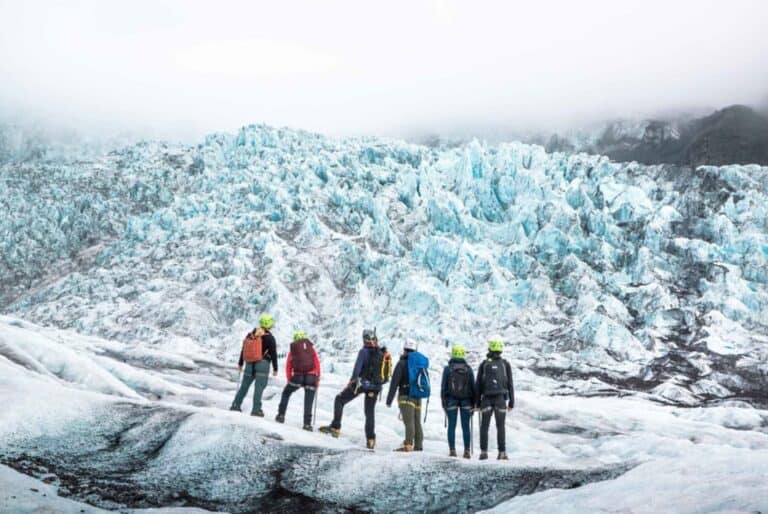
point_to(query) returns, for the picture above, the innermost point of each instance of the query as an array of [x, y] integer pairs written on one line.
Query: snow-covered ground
[[116, 425]]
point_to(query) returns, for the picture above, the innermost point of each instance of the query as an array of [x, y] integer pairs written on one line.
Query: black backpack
[[459, 384], [373, 376], [495, 380]]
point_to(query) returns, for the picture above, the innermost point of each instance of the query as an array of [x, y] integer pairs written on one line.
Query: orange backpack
[[252, 351]]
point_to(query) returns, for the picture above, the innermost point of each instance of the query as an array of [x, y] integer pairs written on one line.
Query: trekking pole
[[426, 411], [472, 433], [314, 415]]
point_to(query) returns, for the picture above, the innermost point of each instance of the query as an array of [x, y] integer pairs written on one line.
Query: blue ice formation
[[579, 262]]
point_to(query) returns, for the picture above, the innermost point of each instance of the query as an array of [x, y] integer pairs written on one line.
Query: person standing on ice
[[410, 406], [302, 369], [494, 396], [371, 372], [457, 393], [259, 348]]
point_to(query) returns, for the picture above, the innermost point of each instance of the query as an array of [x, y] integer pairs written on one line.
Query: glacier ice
[[601, 270]]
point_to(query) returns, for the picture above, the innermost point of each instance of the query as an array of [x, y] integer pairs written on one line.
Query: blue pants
[[453, 409]]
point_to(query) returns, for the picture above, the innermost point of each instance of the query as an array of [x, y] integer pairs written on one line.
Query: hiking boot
[[483, 455], [259, 413], [405, 448], [236, 409], [370, 443], [467, 454], [418, 449], [328, 429], [502, 456], [452, 453], [280, 418], [308, 428]]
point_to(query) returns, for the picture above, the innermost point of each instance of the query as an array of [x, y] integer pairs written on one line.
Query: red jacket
[[314, 371]]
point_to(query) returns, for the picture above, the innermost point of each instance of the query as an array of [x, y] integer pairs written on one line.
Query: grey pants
[[256, 373], [495, 406], [410, 410]]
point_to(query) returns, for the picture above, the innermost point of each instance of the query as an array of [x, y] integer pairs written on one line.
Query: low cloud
[[181, 69]]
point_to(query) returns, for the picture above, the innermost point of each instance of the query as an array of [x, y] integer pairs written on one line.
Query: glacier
[[590, 269], [632, 299]]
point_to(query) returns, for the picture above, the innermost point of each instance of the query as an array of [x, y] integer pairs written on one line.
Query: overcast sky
[[181, 69]]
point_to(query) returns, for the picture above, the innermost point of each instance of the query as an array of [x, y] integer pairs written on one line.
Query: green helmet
[[457, 352], [299, 335], [266, 321], [495, 345]]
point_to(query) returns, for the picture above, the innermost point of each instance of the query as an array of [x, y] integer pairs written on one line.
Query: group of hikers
[[491, 392]]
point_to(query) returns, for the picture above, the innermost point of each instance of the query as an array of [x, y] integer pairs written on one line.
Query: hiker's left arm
[[317, 369], [394, 383]]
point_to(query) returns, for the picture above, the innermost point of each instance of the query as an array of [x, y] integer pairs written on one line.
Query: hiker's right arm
[[444, 387], [240, 361], [511, 392], [358, 365]]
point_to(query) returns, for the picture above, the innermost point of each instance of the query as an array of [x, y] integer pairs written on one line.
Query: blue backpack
[[418, 376]]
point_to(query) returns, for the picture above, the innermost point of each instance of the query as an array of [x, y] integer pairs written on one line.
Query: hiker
[[494, 395], [302, 369], [411, 381], [259, 348], [457, 393], [371, 372]]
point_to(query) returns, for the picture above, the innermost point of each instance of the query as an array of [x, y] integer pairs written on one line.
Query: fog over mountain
[[179, 70]]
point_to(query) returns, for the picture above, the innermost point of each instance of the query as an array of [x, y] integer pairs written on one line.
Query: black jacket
[[399, 381], [510, 394], [268, 349]]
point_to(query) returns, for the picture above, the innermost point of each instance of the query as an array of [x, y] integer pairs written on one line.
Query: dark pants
[[256, 373], [348, 394], [455, 408], [297, 382], [410, 411], [493, 406]]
